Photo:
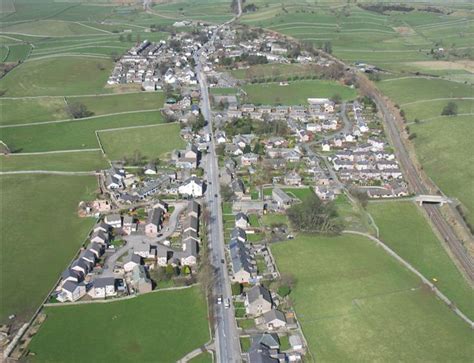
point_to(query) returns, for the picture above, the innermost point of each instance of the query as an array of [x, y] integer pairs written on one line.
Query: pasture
[[58, 76], [68, 161], [71, 135], [41, 233], [151, 141], [174, 325], [28, 110], [405, 230], [296, 93], [356, 304], [213, 11], [271, 70], [49, 28]]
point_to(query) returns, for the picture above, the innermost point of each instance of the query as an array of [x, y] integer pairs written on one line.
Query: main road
[[226, 335]]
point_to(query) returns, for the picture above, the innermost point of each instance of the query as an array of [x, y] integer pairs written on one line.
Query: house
[[145, 250], [259, 353], [71, 275], [99, 237], [241, 220], [131, 261], [326, 146], [103, 287], [192, 187], [89, 256], [274, 319], [296, 342], [154, 222], [140, 280], [292, 178], [249, 159], [128, 225], [258, 300], [104, 227], [150, 169], [269, 340], [191, 224], [82, 266], [72, 291], [238, 233], [190, 253], [220, 137], [243, 266], [238, 188], [193, 209], [97, 249], [114, 220], [282, 199]]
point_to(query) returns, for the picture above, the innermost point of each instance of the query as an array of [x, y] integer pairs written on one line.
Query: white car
[[227, 303], [219, 300]]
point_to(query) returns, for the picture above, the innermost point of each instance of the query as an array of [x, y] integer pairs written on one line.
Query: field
[[58, 76], [27, 110], [71, 135], [41, 233], [174, 324], [208, 10], [356, 304], [299, 193], [50, 28], [69, 161], [296, 93], [152, 142], [271, 70], [406, 231]]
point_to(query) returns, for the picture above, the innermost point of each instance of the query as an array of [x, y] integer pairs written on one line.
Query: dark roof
[[193, 207], [241, 215], [270, 340], [70, 286], [70, 273], [260, 354], [259, 291], [238, 233], [104, 281], [154, 216], [272, 315]]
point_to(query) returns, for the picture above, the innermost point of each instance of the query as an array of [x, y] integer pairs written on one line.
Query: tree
[[312, 215], [186, 270], [336, 98], [169, 271], [327, 47], [227, 193], [451, 109], [79, 110], [247, 149]]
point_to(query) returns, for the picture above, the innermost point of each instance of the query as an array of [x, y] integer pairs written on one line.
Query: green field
[[300, 193], [50, 28], [58, 76], [406, 231], [152, 142], [41, 233], [296, 93], [71, 135], [213, 11], [271, 70], [75, 161], [175, 323], [28, 110], [426, 111], [357, 304]]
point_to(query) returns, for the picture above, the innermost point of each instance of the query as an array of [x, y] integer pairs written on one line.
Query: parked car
[[219, 300], [227, 303]]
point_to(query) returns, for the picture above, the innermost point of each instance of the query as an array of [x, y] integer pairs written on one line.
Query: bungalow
[[192, 187], [274, 319], [103, 287], [241, 220], [258, 300], [154, 222]]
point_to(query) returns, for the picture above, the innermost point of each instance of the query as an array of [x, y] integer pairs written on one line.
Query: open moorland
[[41, 233], [170, 325], [355, 303], [295, 93], [406, 231]]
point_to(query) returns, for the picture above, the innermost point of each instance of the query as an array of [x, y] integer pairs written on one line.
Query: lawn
[[152, 142], [121, 102], [357, 304], [450, 139], [175, 323], [58, 76], [41, 233], [299, 193], [271, 70], [71, 135], [406, 231], [202, 358], [49, 28], [68, 161], [352, 216], [270, 219], [432, 109], [296, 93]]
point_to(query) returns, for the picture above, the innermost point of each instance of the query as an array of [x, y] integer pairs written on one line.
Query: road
[[227, 341]]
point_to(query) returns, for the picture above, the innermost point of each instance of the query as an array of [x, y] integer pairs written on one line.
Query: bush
[[451, 109], [284, 291], [79, 110]]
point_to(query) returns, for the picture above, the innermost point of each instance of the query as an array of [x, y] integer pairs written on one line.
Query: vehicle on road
[[219, 300], [215, 195], [227, 303], [222, 260]]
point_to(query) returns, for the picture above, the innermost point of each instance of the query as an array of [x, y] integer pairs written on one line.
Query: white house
[[103, 287], [72, 291], [192, 187]]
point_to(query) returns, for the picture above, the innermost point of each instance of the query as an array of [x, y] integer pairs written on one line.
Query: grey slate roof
[[272, 315], [104, 281], [259, 291], [155, 216]]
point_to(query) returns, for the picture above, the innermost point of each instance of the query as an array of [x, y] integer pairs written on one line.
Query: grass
[[245, 344], [352, 216], [71, 135], [296, 93], [284, 343], [253, 219], [405, 230], [152, 141], [246, 323], [357, 304], [20, 111], [75, 161], [270, 70], [130, 337], [58, 76], [299, 193], [270, 219], [49, 28], [202, 358], [41, 233]]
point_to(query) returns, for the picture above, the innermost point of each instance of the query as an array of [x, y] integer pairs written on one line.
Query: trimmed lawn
[[202, 358], [69, 161], [246, 323], [130, 337], [121, 102], [299, 193], [271, 70], [253, 218], [20, 111], [245, 344], [58, 76], [357, 304], [41, 233], [404, 229], [296, 93], [274, 219], [152, 141], [71, 135]]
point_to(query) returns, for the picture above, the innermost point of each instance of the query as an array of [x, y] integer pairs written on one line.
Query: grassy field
[[41, 232], [271, 70], [300, 193], [50, 28], [202, 358], [449, 139], [75, 161], [405, 230], [296, 93], [130, 336], [214, 11], [71, 135], [356, 304], [58, 76], [27, 110], [151, 141]]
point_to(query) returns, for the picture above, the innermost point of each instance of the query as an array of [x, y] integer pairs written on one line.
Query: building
[[241, 220], [274, 319], [139, 280], [154, 222], [258, 300], [71, 291], [243, 265], [103, 287], [282, 199], [193, 187]]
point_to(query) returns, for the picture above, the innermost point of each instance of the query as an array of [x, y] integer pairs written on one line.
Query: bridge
[[432, 199]]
